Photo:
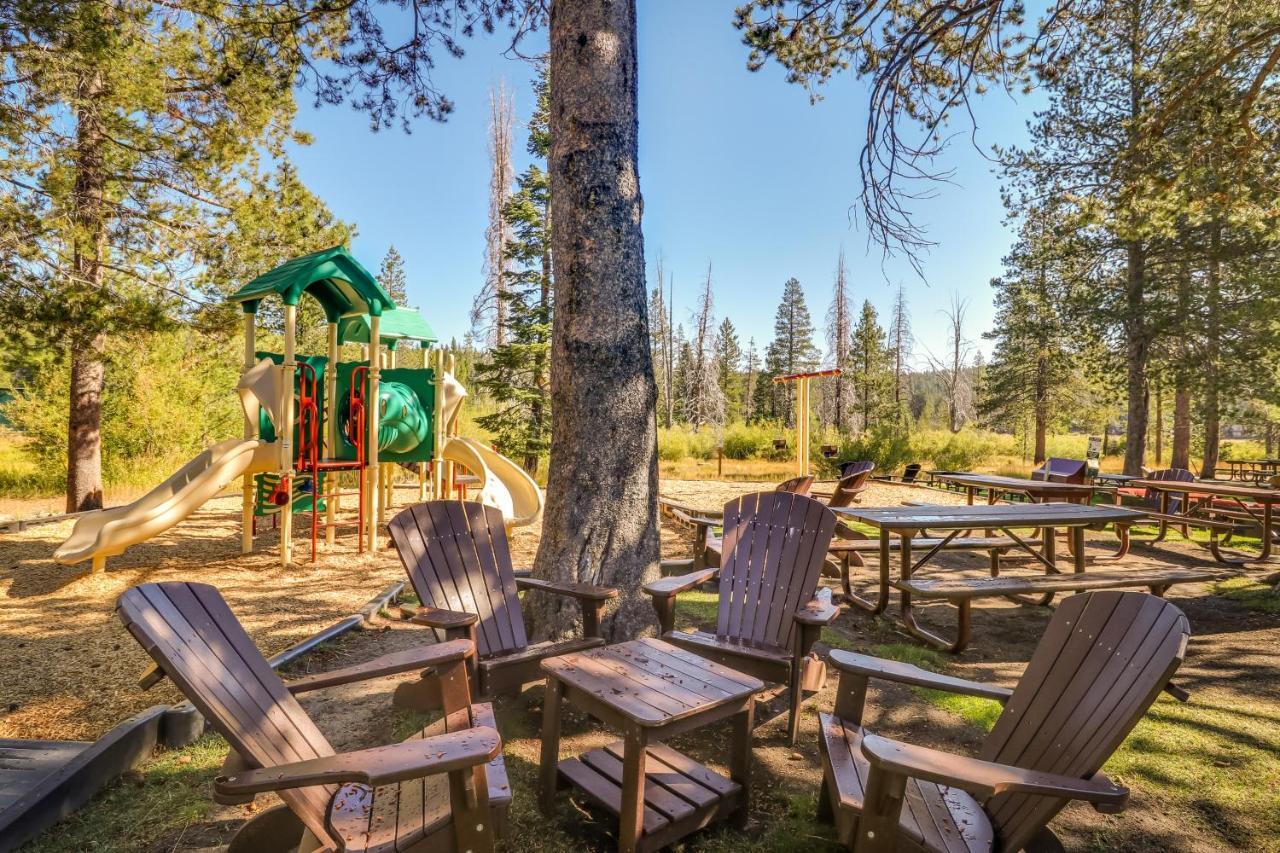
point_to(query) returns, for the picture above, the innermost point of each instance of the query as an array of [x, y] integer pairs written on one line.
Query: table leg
[[740, 762], [551, 701], [631, 818], [1266, 531], [1077, 549], [1049, 547]]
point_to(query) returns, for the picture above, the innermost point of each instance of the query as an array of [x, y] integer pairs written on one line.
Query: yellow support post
[[250, 432], [371, 492], [285, 432], [438, 428], [331, 433]]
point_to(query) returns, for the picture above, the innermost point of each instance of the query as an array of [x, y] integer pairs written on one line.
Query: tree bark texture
[[1137, 356], [1213, 353], [88, 240], [600, 523]]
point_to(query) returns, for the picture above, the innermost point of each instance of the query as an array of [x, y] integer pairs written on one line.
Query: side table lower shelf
[[680, 794]]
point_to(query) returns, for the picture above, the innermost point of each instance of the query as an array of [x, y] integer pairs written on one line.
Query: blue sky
[[737, 169]]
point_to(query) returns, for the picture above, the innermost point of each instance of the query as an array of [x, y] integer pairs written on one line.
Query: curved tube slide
[[504, 484]]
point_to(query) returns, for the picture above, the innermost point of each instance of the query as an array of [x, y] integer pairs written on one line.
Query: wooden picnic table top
[[1260, 494], [651, 682], [1018, 484], [944, 517]]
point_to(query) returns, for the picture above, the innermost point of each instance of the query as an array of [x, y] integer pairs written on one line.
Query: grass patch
[[836, 640], [976, 711], [1250, 593], [696, 609], [170, 792]]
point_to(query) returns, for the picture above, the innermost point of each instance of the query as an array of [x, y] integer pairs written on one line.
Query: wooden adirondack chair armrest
[[701, 520], [663, 594], [580, 591], [818, 612], [672, 586], [445, 620], [986, 779], [422, 657], [905, 673], [379, 765]]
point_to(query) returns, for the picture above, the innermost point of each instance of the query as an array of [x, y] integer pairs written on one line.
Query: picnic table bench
[[1217, 507], [907, 522]]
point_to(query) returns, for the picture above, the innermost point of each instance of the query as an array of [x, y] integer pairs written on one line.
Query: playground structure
[[802, 381], [307, 419]]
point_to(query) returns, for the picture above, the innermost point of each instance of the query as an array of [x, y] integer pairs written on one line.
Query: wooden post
[[331, 431], [375, 373], [285, 433], [451, 429], [438, 428], [250, 432]]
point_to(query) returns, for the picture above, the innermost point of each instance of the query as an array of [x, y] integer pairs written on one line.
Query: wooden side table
[[650, 691]]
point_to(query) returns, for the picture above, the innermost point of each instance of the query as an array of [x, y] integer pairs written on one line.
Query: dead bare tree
[[900, 346], [953, 368], [488, 312], [839, 329], [705, 401]]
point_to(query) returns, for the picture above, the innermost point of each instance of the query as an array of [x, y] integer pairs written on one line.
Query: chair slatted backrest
[[848, 469], [1103, 660], [1175, 475], [773, 550], [911, 472], [1059, 470], [848, 488], [198, 642], [457, 557], [795, 486]]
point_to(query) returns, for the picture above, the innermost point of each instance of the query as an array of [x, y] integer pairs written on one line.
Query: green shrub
[[749, 441], [673, 444]]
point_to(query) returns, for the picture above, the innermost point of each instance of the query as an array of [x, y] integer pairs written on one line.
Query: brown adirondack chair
[[768, 618], [1103, 660], [445, 788], [458, 561], [706, 543]]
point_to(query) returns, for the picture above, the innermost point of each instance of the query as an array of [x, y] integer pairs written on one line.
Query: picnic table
[[650, 690], [1253, 470], [1038, 491], [907, 523], [1221, 508], [1113, 480]]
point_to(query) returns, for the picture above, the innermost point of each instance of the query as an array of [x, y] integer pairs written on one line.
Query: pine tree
[[792, 351], [1031, 371], [489, 310], [391, 277], [729, 361], [128, 134], [872, 376], [682, 375], [659, 337]]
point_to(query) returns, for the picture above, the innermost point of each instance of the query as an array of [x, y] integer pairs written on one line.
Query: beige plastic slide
[[108, 532], [504, 484]]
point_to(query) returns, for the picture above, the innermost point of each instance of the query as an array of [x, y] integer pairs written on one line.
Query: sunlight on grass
[[696, 609], [170, 792], [1250, 593], [977, 712]]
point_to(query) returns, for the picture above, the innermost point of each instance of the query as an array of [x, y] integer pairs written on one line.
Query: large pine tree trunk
[[1180, 450], [84, 426], [1042, 410], [1213, 354], [88, 371], [1137, 356], [600, 523]]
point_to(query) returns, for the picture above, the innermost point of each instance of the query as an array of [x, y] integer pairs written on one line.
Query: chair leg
[[825, 813], [796, 697]]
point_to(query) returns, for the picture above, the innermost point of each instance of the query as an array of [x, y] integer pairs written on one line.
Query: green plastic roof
[[399, 324], [337, 281]]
